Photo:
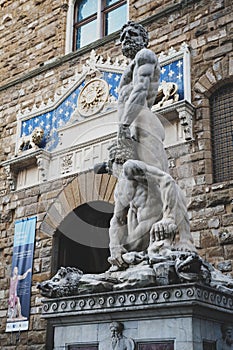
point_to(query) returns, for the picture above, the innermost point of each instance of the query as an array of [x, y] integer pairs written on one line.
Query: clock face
[[93, 97]]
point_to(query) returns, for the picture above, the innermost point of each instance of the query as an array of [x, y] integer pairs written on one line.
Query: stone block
[[31, 210], [214, 252], [199, 88], [228, 251], [209, 240], [227, 219], [210, 75], [216, 199], [197, 202], [2, 271], [214, 52], [230, 66], [217, 35], [216, 5], [45, 252], [214, 222]]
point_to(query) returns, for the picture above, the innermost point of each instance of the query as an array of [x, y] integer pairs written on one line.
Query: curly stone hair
[[143, 32]]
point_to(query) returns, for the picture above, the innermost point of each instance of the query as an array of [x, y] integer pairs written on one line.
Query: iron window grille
[[221, 110]]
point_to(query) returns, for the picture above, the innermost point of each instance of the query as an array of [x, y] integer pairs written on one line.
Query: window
[[221, 109], [94, 19]]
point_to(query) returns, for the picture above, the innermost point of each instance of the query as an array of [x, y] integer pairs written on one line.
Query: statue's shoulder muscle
[[145, 56]]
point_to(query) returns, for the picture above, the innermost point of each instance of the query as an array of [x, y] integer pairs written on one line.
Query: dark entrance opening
[[82, 239]]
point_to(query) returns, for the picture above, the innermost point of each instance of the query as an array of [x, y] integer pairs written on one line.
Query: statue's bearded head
[[134, 37]]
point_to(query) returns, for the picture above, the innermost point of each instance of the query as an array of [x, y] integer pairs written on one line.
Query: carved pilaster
[[186, 113], [11, 177], [43, 160]]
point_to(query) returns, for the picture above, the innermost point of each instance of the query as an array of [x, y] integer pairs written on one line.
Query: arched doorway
[[82, 238]]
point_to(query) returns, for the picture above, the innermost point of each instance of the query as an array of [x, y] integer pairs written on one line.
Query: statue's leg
[[118, 234], [164, 229], [175, 215]]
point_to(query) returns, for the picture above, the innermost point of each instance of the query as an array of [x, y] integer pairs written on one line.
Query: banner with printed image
[[21, 275]]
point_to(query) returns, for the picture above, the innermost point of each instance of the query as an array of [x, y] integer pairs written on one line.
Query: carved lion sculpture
[[167, 93], [32, 141], [64, 283]]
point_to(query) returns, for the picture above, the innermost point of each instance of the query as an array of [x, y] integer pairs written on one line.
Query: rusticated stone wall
[[32, 35]]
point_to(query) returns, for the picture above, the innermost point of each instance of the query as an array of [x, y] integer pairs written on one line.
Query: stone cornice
[[141, 299]]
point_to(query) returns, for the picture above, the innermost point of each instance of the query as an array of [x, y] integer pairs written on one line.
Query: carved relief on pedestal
[[226, 340], [118, 340], [93, 97]]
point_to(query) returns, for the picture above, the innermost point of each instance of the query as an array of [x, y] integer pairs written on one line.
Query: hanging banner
[[21, 275]]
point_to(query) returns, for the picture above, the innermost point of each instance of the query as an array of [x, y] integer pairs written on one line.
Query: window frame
[[216, 101], [106, 10], [81, 23], [70, 44]]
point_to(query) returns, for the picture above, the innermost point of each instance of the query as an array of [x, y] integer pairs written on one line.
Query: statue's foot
[[155, 258], [116, 256], [115, 268], [133, 258], [159, 251]]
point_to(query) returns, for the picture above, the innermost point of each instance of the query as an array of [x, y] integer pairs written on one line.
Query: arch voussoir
[[84, 188]]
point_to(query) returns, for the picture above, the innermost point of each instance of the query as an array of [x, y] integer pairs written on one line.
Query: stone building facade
[[40, 71]]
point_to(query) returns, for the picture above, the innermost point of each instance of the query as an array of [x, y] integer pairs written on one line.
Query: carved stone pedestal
[[177, 317]]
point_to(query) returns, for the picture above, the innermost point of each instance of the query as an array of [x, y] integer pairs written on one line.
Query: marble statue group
[[150, 239]]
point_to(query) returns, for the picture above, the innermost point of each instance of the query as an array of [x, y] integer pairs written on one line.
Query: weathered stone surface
[[214, 222], [225, 266], [227, 220]]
